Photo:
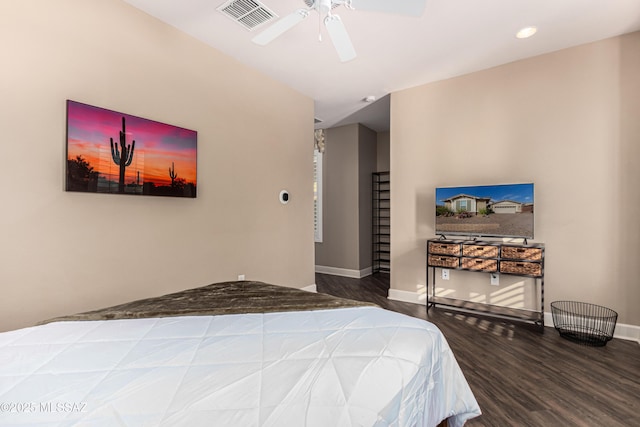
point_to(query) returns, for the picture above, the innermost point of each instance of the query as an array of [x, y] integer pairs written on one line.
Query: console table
[[526, 260]]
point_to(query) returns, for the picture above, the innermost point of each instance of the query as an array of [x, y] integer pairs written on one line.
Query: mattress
[[352, 366]]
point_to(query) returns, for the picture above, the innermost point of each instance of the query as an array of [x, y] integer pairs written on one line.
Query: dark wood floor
[[522, 377]]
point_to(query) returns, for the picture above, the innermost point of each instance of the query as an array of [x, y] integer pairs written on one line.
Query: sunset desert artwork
[[111, 152]]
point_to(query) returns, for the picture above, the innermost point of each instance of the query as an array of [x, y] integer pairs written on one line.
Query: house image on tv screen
[[493, 210], [467, 203], [472, 204]]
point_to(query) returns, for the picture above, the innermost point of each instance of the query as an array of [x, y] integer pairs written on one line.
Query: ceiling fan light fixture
[[339, 37], [333, 24], [526, 32]]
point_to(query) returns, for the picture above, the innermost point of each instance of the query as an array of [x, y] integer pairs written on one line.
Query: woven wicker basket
[[444, 248], [484, 251], [514, 252], [443, 261], [480, 264], [524, 268]]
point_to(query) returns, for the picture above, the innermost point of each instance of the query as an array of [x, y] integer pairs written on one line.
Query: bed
[[233, 354]]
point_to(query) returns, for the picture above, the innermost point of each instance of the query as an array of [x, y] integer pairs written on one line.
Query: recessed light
[[526, 32]]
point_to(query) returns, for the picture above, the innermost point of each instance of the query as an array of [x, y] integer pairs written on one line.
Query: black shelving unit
[[381, 257]]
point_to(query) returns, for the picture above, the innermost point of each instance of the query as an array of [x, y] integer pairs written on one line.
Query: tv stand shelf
[[525, 260]]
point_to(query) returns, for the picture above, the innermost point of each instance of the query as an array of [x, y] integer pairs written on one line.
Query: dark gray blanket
[[219, 298]]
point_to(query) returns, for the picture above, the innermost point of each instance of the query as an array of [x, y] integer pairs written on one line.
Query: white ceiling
[[451, 38]]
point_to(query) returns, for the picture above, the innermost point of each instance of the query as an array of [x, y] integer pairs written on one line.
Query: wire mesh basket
[[584, 323]]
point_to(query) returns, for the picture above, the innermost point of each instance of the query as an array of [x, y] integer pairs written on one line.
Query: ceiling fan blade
[[340, 38], [402, 7], [280, 27]]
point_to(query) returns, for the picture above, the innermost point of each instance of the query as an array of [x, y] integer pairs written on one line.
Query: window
[[463, 205], [317, 195]]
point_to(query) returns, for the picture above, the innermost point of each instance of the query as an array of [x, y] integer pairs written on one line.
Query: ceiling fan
[[335, 28]]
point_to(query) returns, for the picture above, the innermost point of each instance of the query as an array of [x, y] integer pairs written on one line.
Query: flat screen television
[[504, 210]]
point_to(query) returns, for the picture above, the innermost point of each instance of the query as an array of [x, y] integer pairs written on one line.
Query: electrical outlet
[[445, 274], [240, 276], [495, 279]]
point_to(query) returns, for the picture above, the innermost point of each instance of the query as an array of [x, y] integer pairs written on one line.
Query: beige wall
[[63, 252], [367, 161], [567, 121], [349, 160], [384, 150], [339, 247]]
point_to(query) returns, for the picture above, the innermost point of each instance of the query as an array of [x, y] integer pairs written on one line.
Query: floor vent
[[248, 13]]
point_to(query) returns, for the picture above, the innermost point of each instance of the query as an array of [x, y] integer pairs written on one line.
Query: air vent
[[248, 13]]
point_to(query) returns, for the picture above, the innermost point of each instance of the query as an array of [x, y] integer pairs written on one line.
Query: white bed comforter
[[360, 366]]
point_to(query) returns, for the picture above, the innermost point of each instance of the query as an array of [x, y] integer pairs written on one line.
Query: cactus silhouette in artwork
[[122, 157], [173, 175]]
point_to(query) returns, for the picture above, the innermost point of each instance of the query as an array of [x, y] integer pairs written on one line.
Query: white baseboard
[[406, 296], [356, 274], [622, 331], [310, 288], [627, 332]]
